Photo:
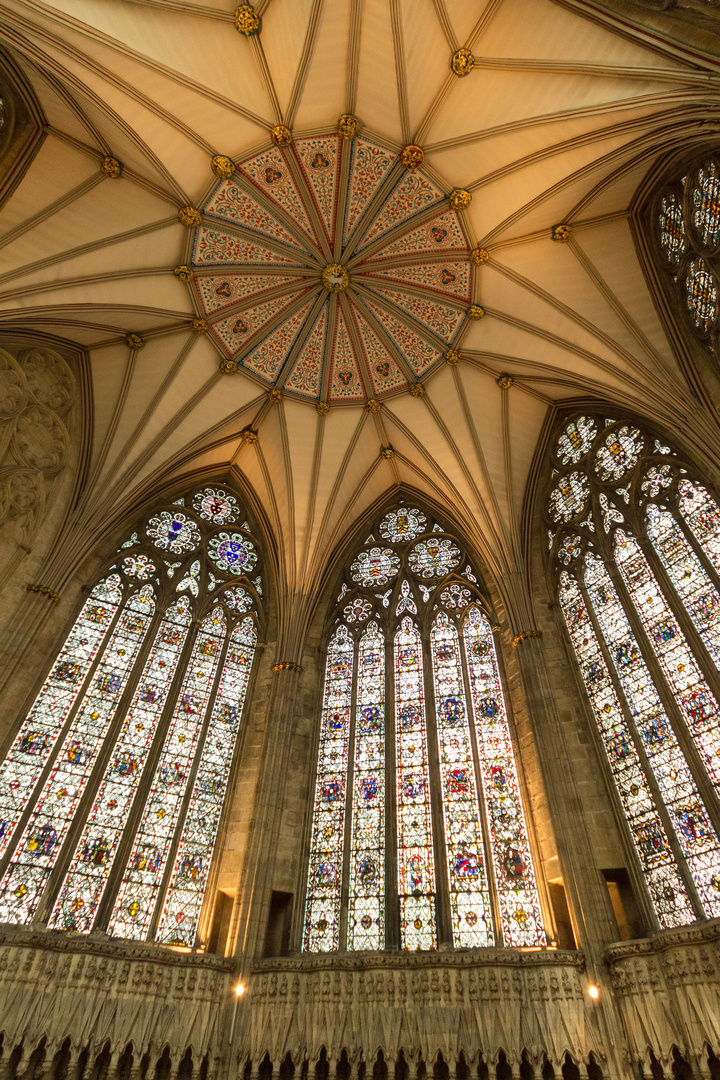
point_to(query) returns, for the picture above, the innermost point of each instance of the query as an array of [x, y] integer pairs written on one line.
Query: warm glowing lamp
[[239, 989], [593, 992]]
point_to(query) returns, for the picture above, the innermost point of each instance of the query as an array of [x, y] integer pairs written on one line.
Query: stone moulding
[[668, 992], [422, 1004]]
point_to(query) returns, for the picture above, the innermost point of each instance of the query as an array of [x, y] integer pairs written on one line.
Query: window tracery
[[132, 735], [636, 570], [418, 816]]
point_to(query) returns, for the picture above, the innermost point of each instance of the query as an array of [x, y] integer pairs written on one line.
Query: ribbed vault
[[562, 118]]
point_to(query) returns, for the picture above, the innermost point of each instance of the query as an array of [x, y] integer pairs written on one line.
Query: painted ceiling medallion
[[335, 278], [328, 269], [247, 22], [462, 62], [412, 156]]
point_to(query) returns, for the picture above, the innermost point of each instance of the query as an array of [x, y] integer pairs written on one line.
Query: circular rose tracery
[[390, 305]]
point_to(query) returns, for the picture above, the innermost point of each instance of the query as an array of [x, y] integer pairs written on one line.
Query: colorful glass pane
[[138, 566], [667, 890], [569, 497], [455, 595], [569, 548], [692, 825], [518, 899], [656, 479], [357, 611], [87, 875], [576, 440], [183, 902], [702, 515], [216, 505], [688, 575], [237, 599], [137, 897], [233, 552], [692, 693], [416, 864], [38, 734], [173, 532], [618, 452], [366, 908], [470, 905], [375, 567], [402, 524], [48, 825], [701, 294], [434, 557], [673, 238], [705, 196], [322, 911]]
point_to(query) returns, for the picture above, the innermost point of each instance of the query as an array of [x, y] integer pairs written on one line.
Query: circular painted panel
[[434, 557], [173, 532], [375, 567], [233, 552]]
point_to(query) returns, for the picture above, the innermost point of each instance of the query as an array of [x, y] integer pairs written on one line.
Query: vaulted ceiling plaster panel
[[67, 167], [552, 135]]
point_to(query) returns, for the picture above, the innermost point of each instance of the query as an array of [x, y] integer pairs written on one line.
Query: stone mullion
[[692, 635], [58, 872], [442, 887], [546, 907], [346, 854], [247, 927], [190, 783], [142, 791], [87, 681], [667, 698], [648, 908], [482, 805], [392, 902]]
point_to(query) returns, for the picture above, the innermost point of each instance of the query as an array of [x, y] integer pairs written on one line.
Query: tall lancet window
[[635, 549], [112, 791], [418, 836]]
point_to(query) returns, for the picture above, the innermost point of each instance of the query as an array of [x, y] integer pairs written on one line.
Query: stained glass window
[[418, 810], [641, 605], [154, 670], [687, 230]]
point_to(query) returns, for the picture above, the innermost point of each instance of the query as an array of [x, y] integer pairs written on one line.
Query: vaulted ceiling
[[569, 106]]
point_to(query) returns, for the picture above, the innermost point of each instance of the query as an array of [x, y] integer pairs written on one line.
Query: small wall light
[[240, 990], [593, 992]]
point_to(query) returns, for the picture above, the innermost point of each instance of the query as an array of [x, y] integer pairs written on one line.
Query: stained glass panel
[[705, 197], [402, 524], [576, 440], [434, 558], [667, 890], [693, 695], [216, 505], [375, 567], [518, 899], [366, 910], [618, 452], [701, 294], [416, 865], [455, 595], [184, 898], [175, 532], [569, 497], [673, 238], [470, 904], [702, 514], [694, 831], [86, 878], [357, 611], [322, 911], [143, 875], [47, 828], [233, 552], [34, 742]]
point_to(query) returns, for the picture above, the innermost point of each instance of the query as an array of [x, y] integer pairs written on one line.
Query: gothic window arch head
[[112, 791], [685, 223], [21, 126], [634, 547], [419, 836]]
